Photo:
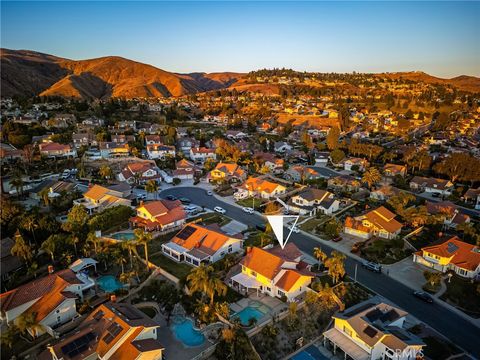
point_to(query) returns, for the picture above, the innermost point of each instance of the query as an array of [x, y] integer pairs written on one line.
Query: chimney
[[141, 202], [113, 298], [50, 269]]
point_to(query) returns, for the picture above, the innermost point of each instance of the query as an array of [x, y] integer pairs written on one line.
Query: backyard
[[180, 270], [463, 294]]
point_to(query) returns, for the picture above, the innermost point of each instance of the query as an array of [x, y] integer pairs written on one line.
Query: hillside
[[30, 73], [463, 82]]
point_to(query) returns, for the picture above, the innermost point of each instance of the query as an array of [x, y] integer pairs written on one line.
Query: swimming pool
[[184, 330], [109, 283], [310, 353], [123, 236], [255, 310]]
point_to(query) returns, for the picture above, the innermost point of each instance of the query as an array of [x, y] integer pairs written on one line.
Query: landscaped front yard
[[463, 294], [385, 251], [255, 202]]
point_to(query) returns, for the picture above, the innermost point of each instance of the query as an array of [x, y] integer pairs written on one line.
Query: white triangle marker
[[276, 222]]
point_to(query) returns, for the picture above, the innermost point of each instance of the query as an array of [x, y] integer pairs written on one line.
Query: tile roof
[[462, 254], [260, 185], [196, 236]]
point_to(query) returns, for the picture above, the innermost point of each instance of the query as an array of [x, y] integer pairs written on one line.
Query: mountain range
[[30, 73]]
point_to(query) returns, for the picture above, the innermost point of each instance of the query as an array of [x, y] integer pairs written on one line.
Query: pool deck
[[174, 349], [275, 305]]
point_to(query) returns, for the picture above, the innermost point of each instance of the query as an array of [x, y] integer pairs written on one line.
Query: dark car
[[261, 227], [185, 200], [422, 295], [369, 265], [337, 239], [171, 197]]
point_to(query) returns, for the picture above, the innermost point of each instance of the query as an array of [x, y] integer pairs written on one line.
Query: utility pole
[[355, 277]]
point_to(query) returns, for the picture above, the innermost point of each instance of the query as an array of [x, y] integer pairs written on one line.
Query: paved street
[[453, 326]]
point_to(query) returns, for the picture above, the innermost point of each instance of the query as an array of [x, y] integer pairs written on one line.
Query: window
[[281, 293], [269, 289], [347, 331], [253, 273], [59, 318]]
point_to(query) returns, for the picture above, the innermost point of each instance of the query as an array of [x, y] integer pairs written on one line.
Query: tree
[[458, 166], [332, 228], [21, 248], [332, 138], [50, 245], [271, 208], [328, 295], [337, 155], [371, 176], [433, 278], [143, 238], [10, 336], [44, 196], [319, 255], [202, 279], [28, 322], [30, 223], [106, 172], [17, 182], [76, 223], [152, 187], [336, 266]]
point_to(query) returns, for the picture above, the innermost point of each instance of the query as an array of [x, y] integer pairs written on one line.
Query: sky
[[440, 38]]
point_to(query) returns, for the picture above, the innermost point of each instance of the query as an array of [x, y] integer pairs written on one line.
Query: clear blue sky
[[441, 38]]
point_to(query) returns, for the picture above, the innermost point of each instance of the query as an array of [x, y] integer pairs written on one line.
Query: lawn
[[156, 245], [463, 294], [438, 349], [211, 218], [179, 270], [311, 224], [255, 239], [385, 251], [255, 203]]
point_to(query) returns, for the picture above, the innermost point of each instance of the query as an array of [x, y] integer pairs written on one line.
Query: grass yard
[[156, 245], [311, 224], [255, 239], [438, 349], [463, 294], [211, 218], [249, 202], [180, 270], [385, 251]]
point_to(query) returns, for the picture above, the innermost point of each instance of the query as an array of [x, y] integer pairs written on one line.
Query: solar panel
[[128, 312], [98, 315], [370, 331], [359, 309], [451, 247], [389, 316], [373, 315], [108, 338], [186, 232], [78, 345]]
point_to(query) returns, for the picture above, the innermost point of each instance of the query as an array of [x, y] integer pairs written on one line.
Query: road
[[454, 327]]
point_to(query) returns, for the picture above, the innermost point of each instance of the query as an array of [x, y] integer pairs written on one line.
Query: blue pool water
[[310, 353], [123, 236], [184, 331], [255, 310], [109, 283]]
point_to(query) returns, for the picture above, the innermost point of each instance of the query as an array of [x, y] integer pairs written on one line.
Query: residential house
[[196, 244], [282, 147], [259, 187], [378, 222], [321, 158], [472, 196], [140, 172], [159, 151], [359, 163], [98, 198], [452, 214], [431, 185], [113, 149], [122, 138], [159, 215], [56, 150], [451, 255], [235, 135], [50, 298], [186, 143], [153, 139], [54, 188], [300, 173], [344, 182], [392, 170], [84, 139], [225, 172], [10, 263], [186, 170], [276, 272], [9, 153], [309, 201], [373, 330], [112, 331], [201, 154]]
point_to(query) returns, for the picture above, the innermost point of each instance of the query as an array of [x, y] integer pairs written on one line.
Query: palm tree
[[44, 196], [433, 278], [30, 223], [130, 246], [17, 182], [319, 255], [50, 245], [328, 293], [371, 176], [143, 238], [21, 248], [10, 336], [336, 266], [28, 322], [120, 259], [106, 172], [94, 240], [152, 187], [202, 279]]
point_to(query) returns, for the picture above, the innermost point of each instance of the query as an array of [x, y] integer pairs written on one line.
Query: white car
[[248, 210], [294, 229], [219, 210]]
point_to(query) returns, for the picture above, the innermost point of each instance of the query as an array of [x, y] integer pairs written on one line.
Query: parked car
[[248, 210], [65, 174], [435, 195], [185, 200], [369, 265], [142, 197], [171, 197], [261, 227], [209, 192], [294, 229], [219, 210], [337, 239], [422, 295]]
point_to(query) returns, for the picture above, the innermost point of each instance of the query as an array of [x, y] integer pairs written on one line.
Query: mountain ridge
[[30, 73]]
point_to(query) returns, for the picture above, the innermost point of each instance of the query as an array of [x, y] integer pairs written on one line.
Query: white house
[[200, 154], [310, 201], [159, 151]]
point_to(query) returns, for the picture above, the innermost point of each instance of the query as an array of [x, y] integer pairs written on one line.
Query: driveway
[[234, 227], [407, 272]]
